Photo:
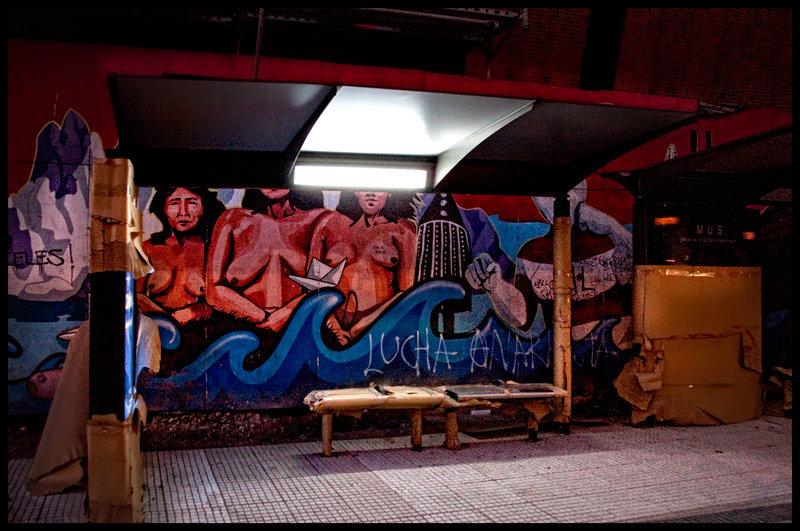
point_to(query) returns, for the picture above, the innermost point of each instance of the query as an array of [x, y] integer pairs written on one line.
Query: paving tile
[[433, 500], [486, 494], [320, 510], [248, 492], [449, 475], [234, 463], [284, 464], [66, 508], [536, 488], [22, 507], [352, 484], [765, 458], [467, 516], [381, 505], [274, 512], [517, 512], [200, 515], [612, 473], [336, 464], [293, 489], [27, 509]]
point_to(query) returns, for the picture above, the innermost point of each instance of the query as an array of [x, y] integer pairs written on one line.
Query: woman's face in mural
[[275, 193], [183, 209], [372, 202]]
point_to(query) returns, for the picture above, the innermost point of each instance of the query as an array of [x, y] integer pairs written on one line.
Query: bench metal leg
[[416, 429], [327, 434], [533, 427], [451, 430]]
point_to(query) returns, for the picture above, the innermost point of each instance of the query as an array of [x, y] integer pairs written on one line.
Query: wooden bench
[[535, 398]]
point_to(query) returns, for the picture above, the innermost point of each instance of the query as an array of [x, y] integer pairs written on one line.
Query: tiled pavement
[[612, 473]]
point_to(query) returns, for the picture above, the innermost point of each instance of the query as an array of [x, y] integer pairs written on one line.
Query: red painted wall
[[46, 80]]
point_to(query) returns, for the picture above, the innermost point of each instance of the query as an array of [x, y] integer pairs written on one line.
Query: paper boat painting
[[68, 334], [320, 275]]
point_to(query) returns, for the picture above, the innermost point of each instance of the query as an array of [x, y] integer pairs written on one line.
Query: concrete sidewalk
[[611, 473]]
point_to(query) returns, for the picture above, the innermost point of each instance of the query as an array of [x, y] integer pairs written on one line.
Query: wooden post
[[451, 430], [416, 429], [113, 451], [327, 434], [562, 309]]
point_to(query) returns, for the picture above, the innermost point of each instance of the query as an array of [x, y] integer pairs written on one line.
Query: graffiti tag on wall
[[48, 261]]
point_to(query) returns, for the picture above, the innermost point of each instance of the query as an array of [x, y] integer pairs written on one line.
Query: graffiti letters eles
[[45, 256], [48, 261]]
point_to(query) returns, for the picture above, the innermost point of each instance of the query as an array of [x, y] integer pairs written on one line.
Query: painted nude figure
[[379, 246], [177, 285], [252, 251]]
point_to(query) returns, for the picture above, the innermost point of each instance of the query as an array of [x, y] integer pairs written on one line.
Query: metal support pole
[[416, 429], [533, 427], [562, 309], [258, 40], [327, 434], [451, 429]]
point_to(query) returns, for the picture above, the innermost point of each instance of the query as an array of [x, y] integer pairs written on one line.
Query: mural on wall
[[261, 295], [48, 261], [264, 294]]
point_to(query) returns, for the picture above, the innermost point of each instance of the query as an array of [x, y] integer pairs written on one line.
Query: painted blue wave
[[168, 330], [400, 342], [302, 344]]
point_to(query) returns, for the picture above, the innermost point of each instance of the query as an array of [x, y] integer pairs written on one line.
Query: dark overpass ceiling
[[430, 39], [752, 170], [433, 39]]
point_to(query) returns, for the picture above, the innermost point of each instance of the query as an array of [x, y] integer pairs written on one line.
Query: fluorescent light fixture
[[373, 121], [362, 177]]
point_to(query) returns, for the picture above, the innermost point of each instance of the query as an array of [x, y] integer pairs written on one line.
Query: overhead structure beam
[[205, 132], [747, 170], [450, 158], [477, 136], [551, 149]]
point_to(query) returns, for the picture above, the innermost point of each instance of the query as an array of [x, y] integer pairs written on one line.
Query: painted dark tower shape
[[443, 246]]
